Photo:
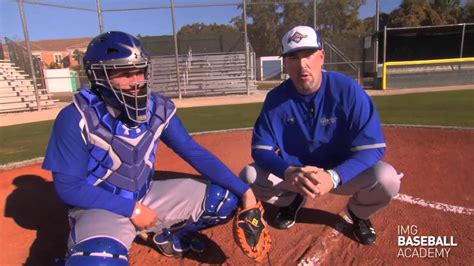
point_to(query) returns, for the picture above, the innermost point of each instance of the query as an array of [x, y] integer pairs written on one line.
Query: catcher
[[102, 153]]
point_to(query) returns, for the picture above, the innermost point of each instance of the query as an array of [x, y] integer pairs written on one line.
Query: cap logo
[[297, 37]]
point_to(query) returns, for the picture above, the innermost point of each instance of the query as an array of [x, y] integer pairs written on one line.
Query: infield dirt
[[437, 164]]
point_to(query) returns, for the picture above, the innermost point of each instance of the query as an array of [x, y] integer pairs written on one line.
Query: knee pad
[[218, 206], [219, 203], [98, 251]]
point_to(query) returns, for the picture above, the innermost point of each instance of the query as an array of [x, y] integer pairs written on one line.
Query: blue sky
[[46, 22]]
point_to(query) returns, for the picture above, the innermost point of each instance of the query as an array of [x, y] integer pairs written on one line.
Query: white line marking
[[220, 131], [434, 205], [25, 163], [428, 126], [328, 236], [332, 234]]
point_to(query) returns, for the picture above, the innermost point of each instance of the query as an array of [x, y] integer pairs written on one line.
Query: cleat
[[176, 246], [197, 245], [362, 229], [169, 245], [286, 216]]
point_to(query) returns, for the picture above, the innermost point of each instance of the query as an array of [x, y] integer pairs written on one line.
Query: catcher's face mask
[[119, 67]]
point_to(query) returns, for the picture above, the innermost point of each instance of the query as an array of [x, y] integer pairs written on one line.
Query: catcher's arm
[[248, 199]]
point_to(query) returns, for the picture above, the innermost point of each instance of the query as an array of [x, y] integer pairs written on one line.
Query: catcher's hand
[[251, 232]]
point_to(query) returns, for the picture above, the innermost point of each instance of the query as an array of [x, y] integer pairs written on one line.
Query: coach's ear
[[322, 55]]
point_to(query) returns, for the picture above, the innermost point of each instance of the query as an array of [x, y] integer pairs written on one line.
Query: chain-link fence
[[18, 55], [175, 27]]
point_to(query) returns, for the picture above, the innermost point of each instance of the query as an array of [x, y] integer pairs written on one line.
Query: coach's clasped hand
[[300, 180], [324, 182], [309, 181], [143, 217]]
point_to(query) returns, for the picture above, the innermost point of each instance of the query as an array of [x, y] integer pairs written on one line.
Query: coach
[[319, 132]]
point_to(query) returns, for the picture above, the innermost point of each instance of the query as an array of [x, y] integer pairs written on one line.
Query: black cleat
[[171, 245], [363, 230], [286, 216]]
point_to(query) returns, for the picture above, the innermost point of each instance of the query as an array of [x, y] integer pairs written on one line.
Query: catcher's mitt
[[251, 232]]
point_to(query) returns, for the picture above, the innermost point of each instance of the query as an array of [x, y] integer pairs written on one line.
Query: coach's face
[[304, 68]]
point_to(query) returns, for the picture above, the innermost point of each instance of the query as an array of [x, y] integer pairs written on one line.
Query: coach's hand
[[143, 217], [301, 180], [322, 180]]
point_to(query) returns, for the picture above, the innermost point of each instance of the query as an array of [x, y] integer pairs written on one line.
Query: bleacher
[[202, 75], [17, 91]]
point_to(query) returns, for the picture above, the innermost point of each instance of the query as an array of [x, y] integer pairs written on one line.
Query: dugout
[[270, 68], [428, 43], [426, 56]]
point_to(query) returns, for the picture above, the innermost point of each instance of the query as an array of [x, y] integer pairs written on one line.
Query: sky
[[47, 22]]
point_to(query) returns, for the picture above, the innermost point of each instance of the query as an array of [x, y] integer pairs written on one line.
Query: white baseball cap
[[301, 38]]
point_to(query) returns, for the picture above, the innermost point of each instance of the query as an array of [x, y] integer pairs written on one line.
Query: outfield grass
[[454, 108], [219, 117], [23, 142], [28, 141]]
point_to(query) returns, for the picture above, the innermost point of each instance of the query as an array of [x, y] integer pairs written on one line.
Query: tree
[[53, 65], [269, 20], [468, 12], [414, 13], [450, 11], [263, 21], [201, 28], [294, 14], [340, 16], [78, 55]]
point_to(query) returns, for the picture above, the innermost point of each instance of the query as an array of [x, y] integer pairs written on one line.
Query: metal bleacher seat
[[202, 75], [17, 91]]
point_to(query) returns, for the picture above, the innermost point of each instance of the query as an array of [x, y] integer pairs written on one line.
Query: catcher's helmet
[[115, 50]]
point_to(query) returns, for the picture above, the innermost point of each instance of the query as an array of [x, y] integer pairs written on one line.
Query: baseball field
[[430, 138]]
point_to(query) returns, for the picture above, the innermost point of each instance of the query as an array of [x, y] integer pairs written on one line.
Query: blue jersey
[[336, 128], [69, 155]]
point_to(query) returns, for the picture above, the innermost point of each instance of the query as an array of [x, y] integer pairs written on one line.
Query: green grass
[[219, 117], [454, 108], [23, 142]]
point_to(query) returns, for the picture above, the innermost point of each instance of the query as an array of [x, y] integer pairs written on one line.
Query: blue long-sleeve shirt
[[67, 156], [336, 128]]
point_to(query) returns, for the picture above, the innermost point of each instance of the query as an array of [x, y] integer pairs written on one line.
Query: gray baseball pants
[[371, 191], [174, 200]]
